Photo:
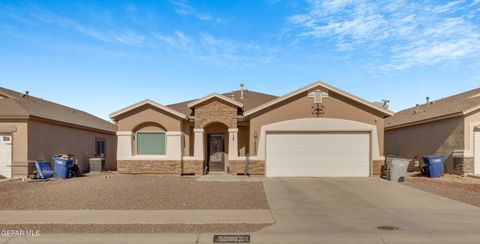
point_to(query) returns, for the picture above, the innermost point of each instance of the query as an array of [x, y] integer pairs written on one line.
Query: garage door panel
[[318, 154]]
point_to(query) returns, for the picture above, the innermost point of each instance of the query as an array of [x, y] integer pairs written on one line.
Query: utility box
[[97, 164]]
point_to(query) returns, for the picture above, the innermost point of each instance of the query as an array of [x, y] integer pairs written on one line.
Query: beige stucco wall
[[300, 106], [438, 137], [47, 139], [148, 113], [187, 130], [19, 145], [243, 140]]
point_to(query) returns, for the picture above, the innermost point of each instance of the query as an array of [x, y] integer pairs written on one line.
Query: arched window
[[150, 139]]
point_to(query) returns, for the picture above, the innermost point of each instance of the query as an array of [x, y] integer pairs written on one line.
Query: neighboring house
[[448, 127], [274, 136], [34, 129]]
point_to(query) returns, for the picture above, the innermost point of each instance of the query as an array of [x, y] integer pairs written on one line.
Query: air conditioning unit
[[97, 164]]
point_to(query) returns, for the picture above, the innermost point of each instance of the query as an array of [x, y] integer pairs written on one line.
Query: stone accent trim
[[193, 167], [215, 110], [377, 167], [255, 167], [149, 167], [463, 165]]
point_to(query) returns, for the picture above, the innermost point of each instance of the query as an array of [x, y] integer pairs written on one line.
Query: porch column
[[174, 145], [124, 145], [233, 144], [198, 144]]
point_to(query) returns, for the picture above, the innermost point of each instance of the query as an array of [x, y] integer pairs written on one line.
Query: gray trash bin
[[396, 168]]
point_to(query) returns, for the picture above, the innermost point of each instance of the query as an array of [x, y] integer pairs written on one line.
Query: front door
[[216, 153], [5, 156]]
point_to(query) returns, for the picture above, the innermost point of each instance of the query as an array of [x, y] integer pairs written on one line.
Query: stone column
[[124, 145], [233, 144], [198, 144]]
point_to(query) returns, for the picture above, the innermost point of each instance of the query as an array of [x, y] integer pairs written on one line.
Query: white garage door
[[5, 156], [317, 154]]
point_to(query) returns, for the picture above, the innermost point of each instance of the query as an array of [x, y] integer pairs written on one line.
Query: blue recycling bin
[[62, 167], [44, 170], [434, 165]]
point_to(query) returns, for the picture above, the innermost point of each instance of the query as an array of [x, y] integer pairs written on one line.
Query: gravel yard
[[127, 192], [455, 187]]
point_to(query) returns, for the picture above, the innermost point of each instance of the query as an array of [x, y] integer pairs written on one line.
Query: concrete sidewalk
[[196, 238], [136, 217]]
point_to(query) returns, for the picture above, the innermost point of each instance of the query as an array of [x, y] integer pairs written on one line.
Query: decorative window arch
[[150, 139]]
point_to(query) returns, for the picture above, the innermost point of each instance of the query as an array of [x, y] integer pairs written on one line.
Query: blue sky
[[100, 56]]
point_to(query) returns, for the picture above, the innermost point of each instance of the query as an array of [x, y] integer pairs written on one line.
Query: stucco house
[[449, 126], [317, 130], [34, 129]]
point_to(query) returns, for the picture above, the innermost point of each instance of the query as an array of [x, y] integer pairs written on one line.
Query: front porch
[[212, 138]]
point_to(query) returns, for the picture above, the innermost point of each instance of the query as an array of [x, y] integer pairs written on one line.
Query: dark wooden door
[[216, 153]]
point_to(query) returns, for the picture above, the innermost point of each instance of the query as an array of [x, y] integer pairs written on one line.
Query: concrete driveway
[[350, 209]]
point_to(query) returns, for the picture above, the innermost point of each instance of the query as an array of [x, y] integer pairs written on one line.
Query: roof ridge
[[443, 99], [15, 99], [24, 102]]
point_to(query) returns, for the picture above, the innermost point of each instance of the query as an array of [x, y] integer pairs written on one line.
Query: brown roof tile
[[442, 107], [16, 105], [251, 100]]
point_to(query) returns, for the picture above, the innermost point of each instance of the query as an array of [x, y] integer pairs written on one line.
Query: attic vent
[[318, 95]]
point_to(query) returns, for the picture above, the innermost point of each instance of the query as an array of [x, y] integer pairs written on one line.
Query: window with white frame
[[99, 147], [150, 143]]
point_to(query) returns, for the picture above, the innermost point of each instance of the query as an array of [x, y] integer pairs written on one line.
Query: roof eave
[[423, 121], [311, 86], [470, 110], [15, 117], [210, 96], [144, 102]]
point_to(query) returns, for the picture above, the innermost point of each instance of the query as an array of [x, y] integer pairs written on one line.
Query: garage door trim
[[294, 132]]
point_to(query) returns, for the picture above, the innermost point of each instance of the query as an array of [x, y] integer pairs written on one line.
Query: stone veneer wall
[[255, 167], [149, 167], [215, 110], [463, 166], [377, 167], [193, 167]]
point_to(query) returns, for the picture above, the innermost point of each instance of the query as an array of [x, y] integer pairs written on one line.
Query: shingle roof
[[16, 105], [251, 100], [455, 104]]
